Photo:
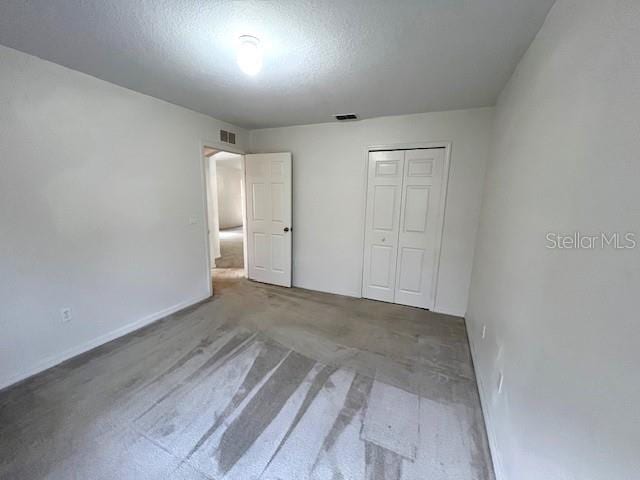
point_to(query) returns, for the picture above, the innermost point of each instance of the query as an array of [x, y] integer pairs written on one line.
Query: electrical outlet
[[65, 314], [484, 331], [500, 382], [193, 220]]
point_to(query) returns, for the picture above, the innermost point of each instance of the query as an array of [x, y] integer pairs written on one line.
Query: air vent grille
[[346, 116], [227, 137]]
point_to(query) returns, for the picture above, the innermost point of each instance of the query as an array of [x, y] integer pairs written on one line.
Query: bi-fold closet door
[[404, 217]]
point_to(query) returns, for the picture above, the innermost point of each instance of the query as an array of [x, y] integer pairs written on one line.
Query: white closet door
[[384, 193], [420, 227], [268, 190]]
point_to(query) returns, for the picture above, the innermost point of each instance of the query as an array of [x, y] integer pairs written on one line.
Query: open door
[[268, 191]]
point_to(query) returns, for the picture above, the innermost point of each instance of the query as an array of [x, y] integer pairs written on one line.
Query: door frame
[[446, 145], [203, 188]]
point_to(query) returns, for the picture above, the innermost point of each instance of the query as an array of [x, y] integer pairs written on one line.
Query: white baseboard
[[96, 342], [484, 399]]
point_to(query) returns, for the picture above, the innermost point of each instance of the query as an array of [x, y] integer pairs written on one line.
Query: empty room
[[319, 240]]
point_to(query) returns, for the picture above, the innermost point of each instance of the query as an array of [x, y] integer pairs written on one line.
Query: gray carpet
[[231, 249], [259, 382]]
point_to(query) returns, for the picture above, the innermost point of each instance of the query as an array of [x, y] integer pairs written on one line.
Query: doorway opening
[[225, 213]]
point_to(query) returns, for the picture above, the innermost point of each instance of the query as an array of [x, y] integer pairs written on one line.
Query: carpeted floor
[[231, 249], [259, 382]]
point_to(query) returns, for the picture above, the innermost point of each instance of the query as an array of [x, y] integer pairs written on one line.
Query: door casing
[[203, 182]]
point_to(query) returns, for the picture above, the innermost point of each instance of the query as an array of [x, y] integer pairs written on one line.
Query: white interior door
[[420, 227], [404, 218], [268, 191], [384, 193]]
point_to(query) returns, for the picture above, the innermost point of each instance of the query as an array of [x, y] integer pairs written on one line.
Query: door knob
[[286, 229]]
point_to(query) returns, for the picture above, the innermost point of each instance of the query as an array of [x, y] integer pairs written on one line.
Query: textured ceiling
[[373, 57]]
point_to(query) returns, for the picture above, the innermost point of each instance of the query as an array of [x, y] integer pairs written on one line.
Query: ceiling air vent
[[346, 116], [227, 137]]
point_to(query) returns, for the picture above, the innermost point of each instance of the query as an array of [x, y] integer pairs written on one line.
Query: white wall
[[211, 173], [97, 184], [329, 162], [563, 325], [229, 196]]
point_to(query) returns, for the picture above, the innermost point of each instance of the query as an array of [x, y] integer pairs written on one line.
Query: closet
[[404, 218]]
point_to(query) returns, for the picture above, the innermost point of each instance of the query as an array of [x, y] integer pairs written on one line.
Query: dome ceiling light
[[249, 54]]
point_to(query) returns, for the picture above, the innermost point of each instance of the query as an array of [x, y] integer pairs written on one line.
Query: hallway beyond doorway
[[231, 250]]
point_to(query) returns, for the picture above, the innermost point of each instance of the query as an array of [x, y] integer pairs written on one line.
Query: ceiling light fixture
[[249, 54]]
